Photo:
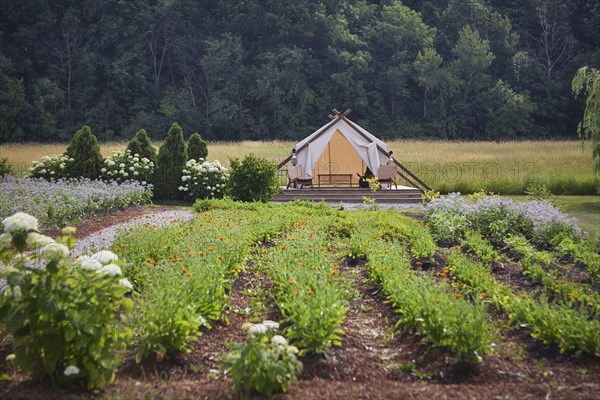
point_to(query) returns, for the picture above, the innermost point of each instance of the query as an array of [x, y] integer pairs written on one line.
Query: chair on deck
[[297, 178], [387, 174]]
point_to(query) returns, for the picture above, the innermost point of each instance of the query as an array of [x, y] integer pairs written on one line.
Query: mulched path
[[374, 361]]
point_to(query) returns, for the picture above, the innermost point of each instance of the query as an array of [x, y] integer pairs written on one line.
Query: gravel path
[[103, 239]]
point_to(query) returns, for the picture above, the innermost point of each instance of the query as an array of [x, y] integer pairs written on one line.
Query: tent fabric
[[363, 142]]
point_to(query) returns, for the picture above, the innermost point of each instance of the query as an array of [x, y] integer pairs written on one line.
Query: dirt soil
[[374, 362]]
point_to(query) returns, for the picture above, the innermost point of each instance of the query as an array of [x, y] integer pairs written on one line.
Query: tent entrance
[[339, 162]]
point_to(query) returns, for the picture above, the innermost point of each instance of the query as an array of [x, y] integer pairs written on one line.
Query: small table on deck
[[335, 179]]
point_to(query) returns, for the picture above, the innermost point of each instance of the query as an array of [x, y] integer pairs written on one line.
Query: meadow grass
[[506, 168]]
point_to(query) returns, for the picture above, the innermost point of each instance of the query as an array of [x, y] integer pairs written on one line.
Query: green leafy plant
[[477, 244], [85, 152], [172, 156], [476, 196], [447, 226], [252, 179], [5, 167], [429, 196], [537, 190], [63, 315], [264, 364], [374, 184], [197, 147]]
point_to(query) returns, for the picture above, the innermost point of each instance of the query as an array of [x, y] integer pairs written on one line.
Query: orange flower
[[282, 247], [220, 257], [437, 300], [264, 251], [201, 253], [383, 268], [291, 281], [296, 293], [183, 270], [310, 292], [333, 271], [329, 280], [190, 254], [419, 263], [457, 295], [210, 248], [406, 278]]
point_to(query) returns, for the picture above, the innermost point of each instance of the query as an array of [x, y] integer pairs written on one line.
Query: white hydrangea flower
[[5, 238], [122, 165], [111, 163], [62, 166], [111, 269], [90, 265], [136, 173], [54, 251], [43, 171], [52, 172], [279, 340], [125, 283], [257, 329], [271, 324], [104, 256], [103, 170], [20, 222], [71, 370], [131, 168], [35, 239]]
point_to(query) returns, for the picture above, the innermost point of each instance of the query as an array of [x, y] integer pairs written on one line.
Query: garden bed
[[374, 360]]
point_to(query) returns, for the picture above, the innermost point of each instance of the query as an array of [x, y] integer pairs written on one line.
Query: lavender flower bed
[[66, 201], [497, 217]]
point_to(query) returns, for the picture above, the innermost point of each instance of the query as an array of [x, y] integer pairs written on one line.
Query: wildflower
[[309, 292], [20, 222], [71, 370], [457, 295], [111, 269], [291, 282], [418, 263]]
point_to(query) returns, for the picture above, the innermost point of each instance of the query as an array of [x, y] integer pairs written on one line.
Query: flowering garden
[[474, 298]]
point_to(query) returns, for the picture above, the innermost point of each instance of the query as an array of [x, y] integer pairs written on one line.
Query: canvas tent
[[341, 147]]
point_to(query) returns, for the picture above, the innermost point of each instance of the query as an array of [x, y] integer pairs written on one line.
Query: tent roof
[[372, 150]]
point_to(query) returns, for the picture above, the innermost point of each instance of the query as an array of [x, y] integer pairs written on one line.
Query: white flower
[[90, 265], [52, 172], [257, 329], [55, 251], [43, 171], [125, 174], [125, 283], [136, 158], [35, 239], [111, 163], [103, 170], [136, 173], [292, 350], [104, 256], [20, 222], [271, 324], [143, 182], [71, 370], [279, 340], [121, 165], [185, 178], [181, 188], [62, 166], [111, 269], [71, 159], [131, 168]]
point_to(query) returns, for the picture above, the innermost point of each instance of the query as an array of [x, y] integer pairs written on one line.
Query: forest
[[273, 69]]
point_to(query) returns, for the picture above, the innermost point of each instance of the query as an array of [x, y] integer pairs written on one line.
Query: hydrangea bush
[[124, 166], [51, 168], [63, 316], [204, 179]]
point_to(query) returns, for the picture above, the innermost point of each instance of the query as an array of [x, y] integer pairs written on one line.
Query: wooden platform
[[402, 194]]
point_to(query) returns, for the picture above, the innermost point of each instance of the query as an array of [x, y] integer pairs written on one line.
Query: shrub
[[447, 226], [253, 179], [266, 363], [51, 168], [123, 167], [5, 168], [204, 179], [62, 314], [140, 144], [85, 152], [197, 148], [172, 156]]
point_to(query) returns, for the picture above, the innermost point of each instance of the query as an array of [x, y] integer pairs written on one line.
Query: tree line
[[265, 69]]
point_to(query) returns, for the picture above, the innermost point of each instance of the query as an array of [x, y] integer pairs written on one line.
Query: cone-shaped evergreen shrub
[[252, 179], [172, 156], [141, 144], [85, 152], [197, 148]]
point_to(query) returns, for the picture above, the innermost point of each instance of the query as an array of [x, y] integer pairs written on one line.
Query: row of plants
[[427, 306], [560, 325], [308, 289], [66, 201]]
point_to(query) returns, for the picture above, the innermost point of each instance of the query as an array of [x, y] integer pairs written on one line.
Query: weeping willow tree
[[587, 81]]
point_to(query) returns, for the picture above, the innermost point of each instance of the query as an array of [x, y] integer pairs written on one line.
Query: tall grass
[[506, 168]]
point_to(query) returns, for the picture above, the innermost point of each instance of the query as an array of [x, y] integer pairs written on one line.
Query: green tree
[[141, 144], [172, 156], [197, 147], [85, 151], [508, 112], [587, 82]]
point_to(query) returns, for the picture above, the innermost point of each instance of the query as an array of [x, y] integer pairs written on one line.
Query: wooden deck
[[403, 194]]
